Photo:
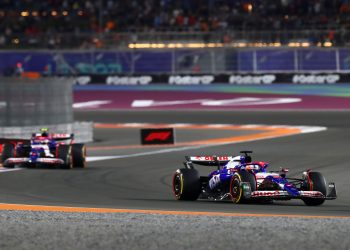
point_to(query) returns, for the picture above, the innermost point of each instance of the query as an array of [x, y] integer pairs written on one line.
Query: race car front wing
[[21, 160], [281, 194]]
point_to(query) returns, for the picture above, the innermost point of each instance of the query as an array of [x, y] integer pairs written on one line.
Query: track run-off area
[[123, 199]]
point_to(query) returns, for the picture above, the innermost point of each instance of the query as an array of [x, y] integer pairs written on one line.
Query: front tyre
[[186, 184], [315, 181], [65, 153], [8, 151], [236, 190], [79, 155]]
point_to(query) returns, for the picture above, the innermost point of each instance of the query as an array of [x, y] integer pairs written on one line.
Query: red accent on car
[[311, 184], [57, 150]]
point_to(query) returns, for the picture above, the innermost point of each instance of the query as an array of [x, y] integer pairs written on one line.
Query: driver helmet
[[44, 132]]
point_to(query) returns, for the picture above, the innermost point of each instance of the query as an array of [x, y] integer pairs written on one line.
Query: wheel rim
[[177, 185], [235, 189], [84, 157], [69, 160]]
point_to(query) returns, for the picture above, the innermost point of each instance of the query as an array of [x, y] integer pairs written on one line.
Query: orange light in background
[[25, 13], [15, 41], [53, 13], [212, 45], [65, 13], [327, 44], [248, 7], [35, 13], [80, 13]]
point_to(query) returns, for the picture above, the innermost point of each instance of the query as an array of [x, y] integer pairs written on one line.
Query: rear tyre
[[236, 187], [79, 155], [8, 151], [65, 153], [186, 184], [315, 181]]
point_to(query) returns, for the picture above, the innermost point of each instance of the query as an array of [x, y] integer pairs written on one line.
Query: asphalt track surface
[[143, 181]]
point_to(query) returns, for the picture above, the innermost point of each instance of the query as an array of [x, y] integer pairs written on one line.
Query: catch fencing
[[177, 61], [28, 102], [26, 105]]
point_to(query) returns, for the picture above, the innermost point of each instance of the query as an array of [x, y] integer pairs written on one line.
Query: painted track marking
[[2, 170], [267, 132], [22, 207]]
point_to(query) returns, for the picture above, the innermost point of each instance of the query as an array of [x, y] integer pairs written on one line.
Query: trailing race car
[[241, 180], [44, 149]]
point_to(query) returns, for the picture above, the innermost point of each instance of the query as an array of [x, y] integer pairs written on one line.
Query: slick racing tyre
[[315, 181], [8, 151], [79, 155], [64, 152], [186, 184], [236, 187]]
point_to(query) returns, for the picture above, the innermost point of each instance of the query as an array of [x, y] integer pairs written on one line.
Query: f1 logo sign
[[150, 136], [162, 136]]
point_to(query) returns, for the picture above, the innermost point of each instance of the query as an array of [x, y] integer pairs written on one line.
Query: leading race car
[[46, 150], [241, 180]]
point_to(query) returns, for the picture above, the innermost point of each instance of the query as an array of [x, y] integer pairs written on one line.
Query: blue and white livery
[[240, 179]]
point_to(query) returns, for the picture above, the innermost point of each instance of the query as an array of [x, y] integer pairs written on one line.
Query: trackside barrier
[[83, 131], [208, 79], [26, 105], [176, 61]]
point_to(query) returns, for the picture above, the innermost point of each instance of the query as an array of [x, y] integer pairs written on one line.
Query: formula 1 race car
[[242, 180], [43, 149]]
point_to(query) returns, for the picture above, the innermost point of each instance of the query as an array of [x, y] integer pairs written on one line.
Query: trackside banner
[[208, 79], [157, 136]]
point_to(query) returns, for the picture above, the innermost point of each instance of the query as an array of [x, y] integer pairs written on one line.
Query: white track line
[[304, 130], [3, 170]]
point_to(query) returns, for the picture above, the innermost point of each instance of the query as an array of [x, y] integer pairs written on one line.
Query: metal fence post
[[296, 60], [173, 61], [213, 62], [255, 62], [337, 60]]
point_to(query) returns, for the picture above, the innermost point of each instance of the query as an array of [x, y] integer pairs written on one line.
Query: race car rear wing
[[56, 136], [207, 160]]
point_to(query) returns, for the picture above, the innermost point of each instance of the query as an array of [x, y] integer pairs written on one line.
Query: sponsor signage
[[316, 78], [129, 80], [208, 79], [191, 80], [268, 193], [156, 136], [252, 79], [210, 158]]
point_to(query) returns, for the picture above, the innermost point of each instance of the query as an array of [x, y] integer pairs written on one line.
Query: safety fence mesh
[[28, 102]]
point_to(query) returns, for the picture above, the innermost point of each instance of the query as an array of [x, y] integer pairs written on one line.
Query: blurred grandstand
[[157, 23], [84, 37]]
